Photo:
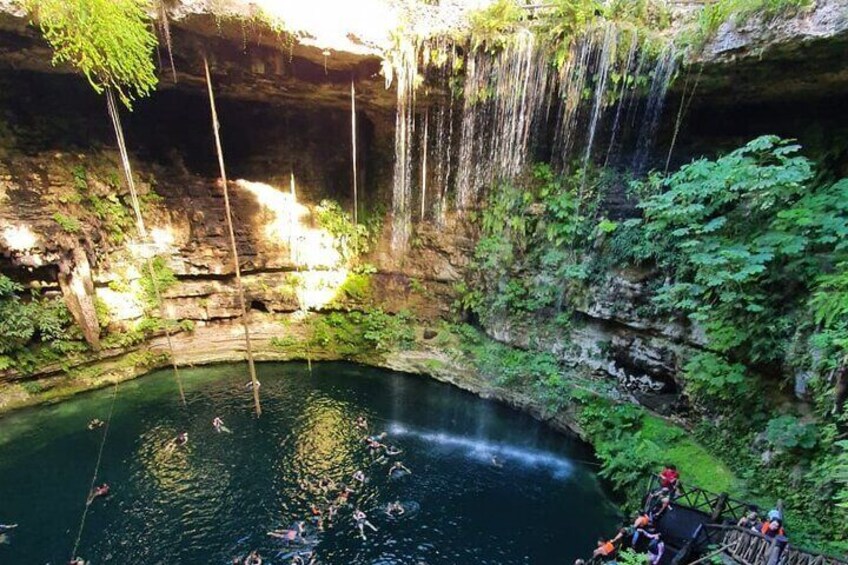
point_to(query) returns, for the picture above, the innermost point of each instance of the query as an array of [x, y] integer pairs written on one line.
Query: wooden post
[[719, 507]]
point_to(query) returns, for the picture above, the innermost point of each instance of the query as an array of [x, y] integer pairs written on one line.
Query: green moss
[[713, 15], [67, 223], [697, 465], [356, 287]]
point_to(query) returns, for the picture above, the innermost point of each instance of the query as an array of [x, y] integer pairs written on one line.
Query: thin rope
[[96, 472], [353, 152], [216, 126], [140, 227], [684, 109]]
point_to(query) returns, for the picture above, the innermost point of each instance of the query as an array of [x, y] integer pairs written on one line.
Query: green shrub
[[788, 432], [162, 277]]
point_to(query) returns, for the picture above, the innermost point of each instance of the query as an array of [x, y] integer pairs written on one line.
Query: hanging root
[[139, 223], [166, 32]]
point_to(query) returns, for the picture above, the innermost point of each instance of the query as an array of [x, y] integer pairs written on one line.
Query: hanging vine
[[108, 41]]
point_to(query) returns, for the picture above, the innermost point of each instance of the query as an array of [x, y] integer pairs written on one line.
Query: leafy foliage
[[162, 276], [109, 41], [34, 332], [352, 240], [788, 432], [67, 223], [748, 236], [354, 333], [533, 243]]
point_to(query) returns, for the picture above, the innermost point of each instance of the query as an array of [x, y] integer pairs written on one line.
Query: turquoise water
[[217, 497]]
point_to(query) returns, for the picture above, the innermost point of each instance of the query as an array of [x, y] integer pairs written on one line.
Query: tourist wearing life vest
[[607, 549], [772, 529]]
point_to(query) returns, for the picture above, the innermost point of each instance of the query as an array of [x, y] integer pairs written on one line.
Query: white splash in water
[[483, 450]]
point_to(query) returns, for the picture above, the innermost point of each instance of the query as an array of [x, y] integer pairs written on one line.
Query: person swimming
[[95, 423], [305, 558], [359, 476], [395, 509], [361, 520], [97, 492], [332, 510], [77, 561], [398, 470], [249, 384], [392, 450], [362, 422], [253, 558], [326, 484], [219, 426], [497, 462], [344, 495], [289, 535], [7, 527]]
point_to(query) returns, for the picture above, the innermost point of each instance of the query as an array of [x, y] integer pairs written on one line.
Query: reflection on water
[[218, 496]]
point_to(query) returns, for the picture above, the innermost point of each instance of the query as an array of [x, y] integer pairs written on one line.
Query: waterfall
[[517, 107], [504, 101], [606, 59], [443, 155], [660, 81], [622, 94], [406, 72]]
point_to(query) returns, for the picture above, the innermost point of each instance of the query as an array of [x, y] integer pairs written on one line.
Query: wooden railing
[[749, 547], [720, 507]]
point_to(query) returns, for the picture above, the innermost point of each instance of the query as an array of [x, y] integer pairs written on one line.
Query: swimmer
[[326, 484], [361, 520], [344, 495], [95, 423], [332, 510], [392, 450], [96, 492], [7, 527], [289, 535], [301, 559], [398, 470], [317, 517], [77, 561], [219, 426], [253, 559], [395, 509], [249, 384], [359, 476], [361, 422], [497, 462]]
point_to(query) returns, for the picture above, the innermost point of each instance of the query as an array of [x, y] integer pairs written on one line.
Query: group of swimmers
[[332, 499]]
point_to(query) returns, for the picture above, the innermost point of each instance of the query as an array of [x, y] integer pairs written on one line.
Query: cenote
[[217, 498]]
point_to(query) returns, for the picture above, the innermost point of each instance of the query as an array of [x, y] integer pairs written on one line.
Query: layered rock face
[[285, 114]]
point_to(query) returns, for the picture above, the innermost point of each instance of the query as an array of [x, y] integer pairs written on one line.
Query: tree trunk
[[78, 292]]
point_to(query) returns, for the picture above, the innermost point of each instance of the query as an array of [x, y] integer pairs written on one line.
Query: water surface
[[217, 498]]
